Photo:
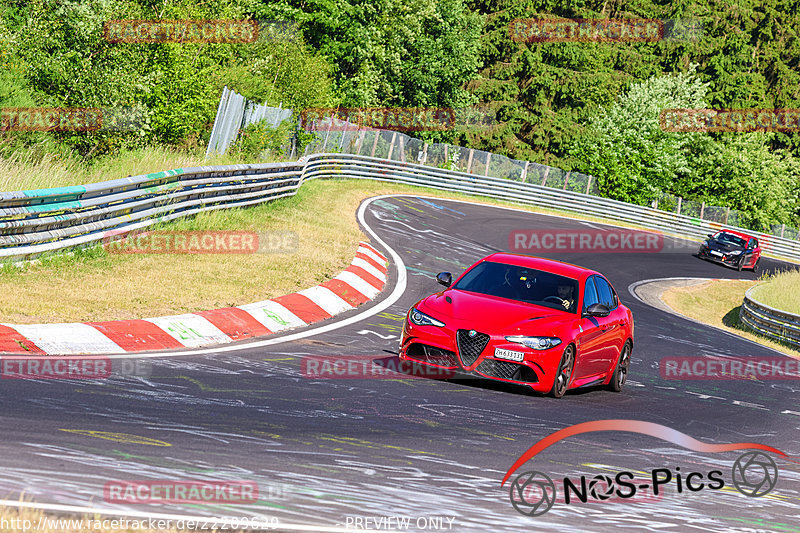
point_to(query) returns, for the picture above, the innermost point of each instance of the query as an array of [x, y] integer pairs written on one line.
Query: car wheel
[[755, 265], [740, 263], [621, 372], [564, 373]]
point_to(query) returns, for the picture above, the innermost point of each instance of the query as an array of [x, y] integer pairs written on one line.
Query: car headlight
[[535, 343], [421, 319], [735, 252]]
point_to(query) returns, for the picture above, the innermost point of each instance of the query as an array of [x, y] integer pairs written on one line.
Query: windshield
[[521, 284], [727, 238]]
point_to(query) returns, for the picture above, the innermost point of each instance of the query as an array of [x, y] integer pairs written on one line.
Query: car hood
[[492, 314], [723, 247]]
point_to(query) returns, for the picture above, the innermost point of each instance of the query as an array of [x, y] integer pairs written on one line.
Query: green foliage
[[262, 141], [636, 161], [624, 146], [67, 62], [391, 52], [575, 105]]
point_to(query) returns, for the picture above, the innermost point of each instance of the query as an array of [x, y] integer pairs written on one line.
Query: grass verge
[[92, 285], [26, 170], [717, 303], [781, 291]]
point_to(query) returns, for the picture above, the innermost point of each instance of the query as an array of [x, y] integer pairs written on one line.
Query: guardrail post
[[325, 144], [525, 171], [402, 150], [488, 160], [375, 143], [341, 140], [424, 154], [469, 161], [680, 199], [588, 184], [546, 173], [566, 180], [391, 146], [360, 141], [702, 210], [727, 213], [783, 228]]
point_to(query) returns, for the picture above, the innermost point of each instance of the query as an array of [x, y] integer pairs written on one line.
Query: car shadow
[[460, 378]]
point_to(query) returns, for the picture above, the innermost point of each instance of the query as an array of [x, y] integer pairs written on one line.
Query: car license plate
[[508, 354], [714, 252]]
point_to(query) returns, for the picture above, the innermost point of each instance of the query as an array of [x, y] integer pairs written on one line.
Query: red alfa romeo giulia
[[550, 325]]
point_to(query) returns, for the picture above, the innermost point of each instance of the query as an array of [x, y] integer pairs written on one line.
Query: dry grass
[[96, 285], [92, 285], [717, 303], [781, 291], [26, 170]]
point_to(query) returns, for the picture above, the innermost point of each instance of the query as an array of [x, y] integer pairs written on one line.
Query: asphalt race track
[[326, 452]]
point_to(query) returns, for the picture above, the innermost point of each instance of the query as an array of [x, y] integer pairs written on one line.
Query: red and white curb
[[361, 282]]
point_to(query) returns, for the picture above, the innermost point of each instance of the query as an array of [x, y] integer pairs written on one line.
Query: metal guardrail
[[363, 167], [773, 323], [46, 220]]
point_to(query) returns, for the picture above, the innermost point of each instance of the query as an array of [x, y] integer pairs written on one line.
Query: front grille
[[432, 355], [507, 370], [470, 348]]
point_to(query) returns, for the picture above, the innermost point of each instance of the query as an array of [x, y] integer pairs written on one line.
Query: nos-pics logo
[[533, 493]]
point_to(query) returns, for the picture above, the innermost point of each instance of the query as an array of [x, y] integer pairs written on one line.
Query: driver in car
[[565, 292]]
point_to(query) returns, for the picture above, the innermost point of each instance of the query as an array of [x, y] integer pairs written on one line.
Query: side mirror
[[444, 278], [710, 235], [599, 310]]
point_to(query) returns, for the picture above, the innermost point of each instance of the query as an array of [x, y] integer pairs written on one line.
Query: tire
[[621, 371], [740, 263], [755, 266], [564, 373]]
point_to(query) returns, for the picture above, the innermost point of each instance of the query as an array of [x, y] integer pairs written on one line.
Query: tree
[[627, 150]]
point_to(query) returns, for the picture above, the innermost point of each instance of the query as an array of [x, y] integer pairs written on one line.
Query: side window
[[590, 294], [605, 292], [614, 296], [755, 243]]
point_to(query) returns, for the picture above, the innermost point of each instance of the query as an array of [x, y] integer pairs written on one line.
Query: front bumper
[[438, 347], [724, 259]]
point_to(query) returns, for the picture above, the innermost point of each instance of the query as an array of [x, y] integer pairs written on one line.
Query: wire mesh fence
[[333, 135]]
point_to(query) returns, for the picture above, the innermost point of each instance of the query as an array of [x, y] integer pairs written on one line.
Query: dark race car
[[731, 248], [549, 325]]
